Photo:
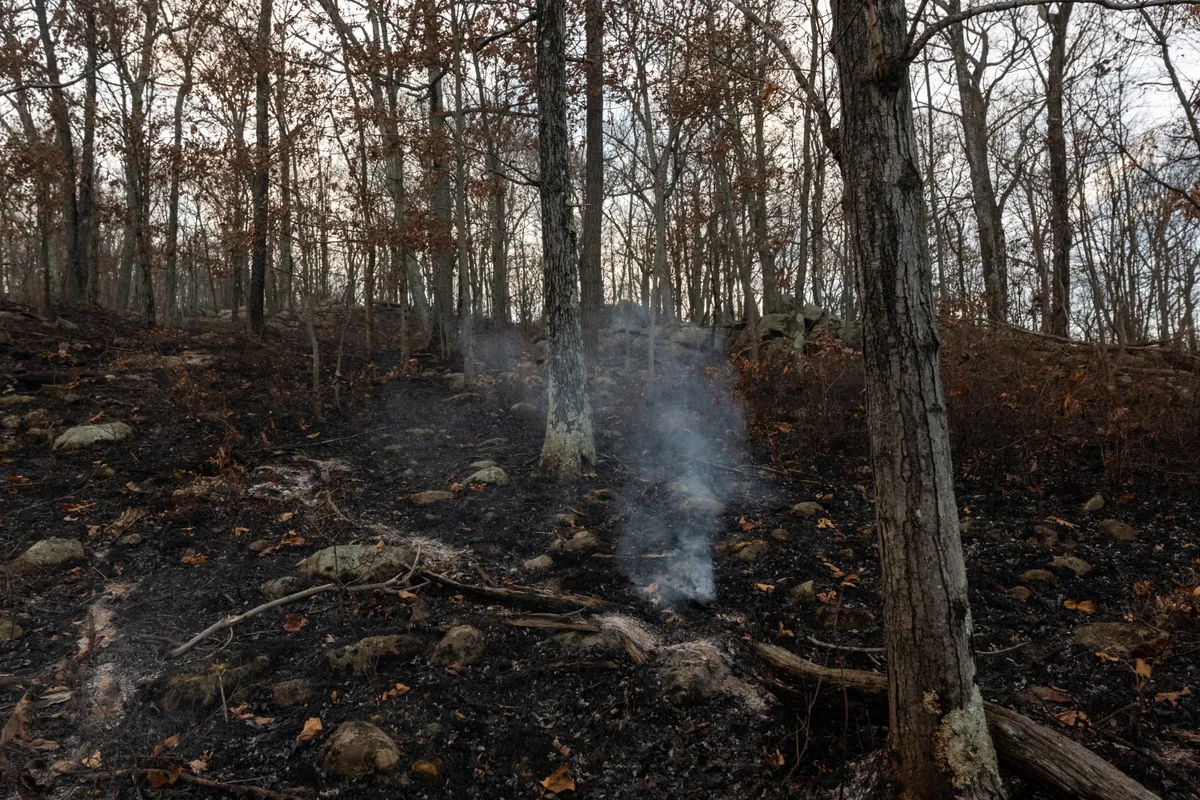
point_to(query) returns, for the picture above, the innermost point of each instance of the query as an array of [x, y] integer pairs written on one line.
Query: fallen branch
[[552, 624], [522, 597], [386, 586], [1021, 744], [238, 788]]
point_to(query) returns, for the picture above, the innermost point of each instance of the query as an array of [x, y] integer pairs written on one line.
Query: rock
[[492, 475], [37, 436], [581, 542], [692, 672], [802, 592], [46, 554], [693, 337], [1039, 577], [525, 411], [539, 564], [282, 587], [704, 504], [1095, 503], [359, 750], [362, 657], [846, 553], [360, 563], [461, 645], [431, 496], [841, 618], [1020, 592], [751, 552], [487, 463], [130, 540], [457, 381], [429, 772], [498, 441], [12, 400], [259, 546], [11, 422], [599, 496], [10, 630], [1114, 638], [808, 509], [291, 693], [206, 688], [65, 324], [83, 436], [1047, 537], [781, 535], [1076, 565], [1118, 530]]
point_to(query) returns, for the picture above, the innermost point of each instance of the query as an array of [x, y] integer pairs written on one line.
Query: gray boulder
[[83, 436]]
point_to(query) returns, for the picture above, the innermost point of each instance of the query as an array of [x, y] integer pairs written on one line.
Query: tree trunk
[[262, 167], [938, 744], [1060, 200], [88, 221], [173, 200], [287, 266], [993, 247], [589, 264], [441, 222], [568, 444]]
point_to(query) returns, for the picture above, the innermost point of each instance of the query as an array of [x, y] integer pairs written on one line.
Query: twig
[[846, 647], [229, 622], [1017, 646]]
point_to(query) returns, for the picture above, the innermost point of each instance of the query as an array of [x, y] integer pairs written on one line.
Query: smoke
[[672, 506]]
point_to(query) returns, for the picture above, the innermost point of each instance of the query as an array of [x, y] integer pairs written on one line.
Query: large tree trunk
[[993, 247], [938, 744], [568, 444], [173, 199], [262, 167], [589, 264], [88, 221], [466, 343], [1060, 199], [498, 233]]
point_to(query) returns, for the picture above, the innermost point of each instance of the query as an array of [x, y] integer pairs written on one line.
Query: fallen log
[[1021, 744]]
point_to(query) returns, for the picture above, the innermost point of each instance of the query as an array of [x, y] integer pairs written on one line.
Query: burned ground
[[229, 481]]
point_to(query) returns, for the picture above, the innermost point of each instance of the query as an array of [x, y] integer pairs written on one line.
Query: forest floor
[[1085, 620]]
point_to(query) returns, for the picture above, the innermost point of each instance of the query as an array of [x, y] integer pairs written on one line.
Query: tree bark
[[1060, 199], [569, 443], [262, 167], [589, 264], [176, 166], [938, 744]]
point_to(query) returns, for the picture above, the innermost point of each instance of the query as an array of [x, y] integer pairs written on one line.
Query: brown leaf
[[14, 729], [175, 771], [193, 558], [1172, 697], [764, 587], [775, 759], [1086, 606], [171, 741], [311, 729], [1142, 668], [294, 624], [93, 761], [1072, 719], [157, 778], [558, 781], [1050, 694]]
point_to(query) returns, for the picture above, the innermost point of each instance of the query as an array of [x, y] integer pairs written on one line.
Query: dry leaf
[[1086, 606], [285, 516], [174, 772], [193, 558], [1172, 697], [294, 624], [171, 741], [93, 761], [14, 729], [396, 691], [1106, 658], [1142, 668], [558, 781], [1072, 718], [311, 729], [197, 765], [1050, 694], [775, 759], [157, 778], [1060, 521], [764, 587], [651, 589]]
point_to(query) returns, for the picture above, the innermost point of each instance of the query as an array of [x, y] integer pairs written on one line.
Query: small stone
[[461, 645], [431, 496], [1047, 537], [429, 772], [803, 592], [105, 473], [847, 553], [751, 552], [581, 542], [83, 436], [359, 750], [524, 410], [46, 554], [291, 693], [704, 505], [1039, 577], [497, 441], [808, 509], [539, 564], [362, 657], [282, 587], [1095, 503], [259, 545], [845, 619], [457, 381], [1076, 565], [492, 475], [212, 685], [781, 535], [487, 463], [36, 435], [11, 422], [10, 630], [65, 324], [130, 540], [1118, 530], [1020, 592], [599, 496], [692, 672]]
